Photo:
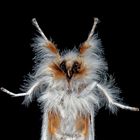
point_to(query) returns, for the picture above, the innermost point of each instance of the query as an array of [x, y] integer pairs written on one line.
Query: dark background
[[68, 24]]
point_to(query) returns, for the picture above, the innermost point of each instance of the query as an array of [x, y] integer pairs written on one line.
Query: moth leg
[[111, 100], [21, 94], [88, 89]]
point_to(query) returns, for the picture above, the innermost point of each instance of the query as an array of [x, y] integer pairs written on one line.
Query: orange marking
[[84, 47], [52, 47], [56, 71], [81, 72], [82, 125], [53, 122]]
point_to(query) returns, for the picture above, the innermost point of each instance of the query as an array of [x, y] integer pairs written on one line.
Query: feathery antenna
[[34, 21], [96, 21]]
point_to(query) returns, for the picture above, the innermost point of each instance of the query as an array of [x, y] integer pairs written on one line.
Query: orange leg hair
[[82, 125], [53, 123]]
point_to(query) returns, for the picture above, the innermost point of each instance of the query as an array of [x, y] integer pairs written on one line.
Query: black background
[[68, 24]]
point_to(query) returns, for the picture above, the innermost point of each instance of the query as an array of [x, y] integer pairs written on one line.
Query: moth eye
[[63, 66], [76, 67]]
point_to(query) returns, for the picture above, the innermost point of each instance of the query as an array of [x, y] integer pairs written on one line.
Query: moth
[[70, 86]]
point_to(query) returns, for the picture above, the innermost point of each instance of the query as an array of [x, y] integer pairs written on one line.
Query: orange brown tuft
[[84, 47], [82, 125], [56, 71], [81, 72], [53, 122], [52, 47]]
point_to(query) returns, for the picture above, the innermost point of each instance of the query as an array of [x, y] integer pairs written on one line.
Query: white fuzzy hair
[[54, 95]]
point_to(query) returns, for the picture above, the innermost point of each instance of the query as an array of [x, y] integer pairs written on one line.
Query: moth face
[[69, 69]]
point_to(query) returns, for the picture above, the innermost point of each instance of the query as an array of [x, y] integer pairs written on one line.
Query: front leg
[[31, 92], [108, 93], [88, 89]]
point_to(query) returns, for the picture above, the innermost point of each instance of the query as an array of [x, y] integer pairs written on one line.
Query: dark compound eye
[[63, 66], [76, 67]]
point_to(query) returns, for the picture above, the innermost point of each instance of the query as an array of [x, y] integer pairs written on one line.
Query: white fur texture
[[70, 104], [63, 98]]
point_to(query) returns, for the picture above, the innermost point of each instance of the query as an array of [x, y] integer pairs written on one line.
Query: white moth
[[70, 87]]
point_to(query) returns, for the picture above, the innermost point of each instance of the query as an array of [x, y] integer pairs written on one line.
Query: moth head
[[73, 65]]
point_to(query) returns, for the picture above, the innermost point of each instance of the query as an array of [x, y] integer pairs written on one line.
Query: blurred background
[[68, 25]]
